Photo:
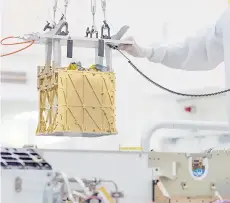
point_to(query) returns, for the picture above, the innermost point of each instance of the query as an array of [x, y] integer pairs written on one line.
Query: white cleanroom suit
[[198, 53], [201, 52]]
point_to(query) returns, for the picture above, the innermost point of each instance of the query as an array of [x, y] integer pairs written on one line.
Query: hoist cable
[[54, 11], [93, 7], [65, 9], [162, 87], [103, 6], [93, 11]]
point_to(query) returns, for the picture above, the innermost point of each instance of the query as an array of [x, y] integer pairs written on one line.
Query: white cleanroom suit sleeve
[[198, 53], [224, 25]]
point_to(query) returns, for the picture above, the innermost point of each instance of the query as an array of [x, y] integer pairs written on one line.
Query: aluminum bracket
[[55, 44]]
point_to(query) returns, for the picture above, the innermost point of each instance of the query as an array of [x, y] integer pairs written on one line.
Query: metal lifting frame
[[56, 38], [48, 75]]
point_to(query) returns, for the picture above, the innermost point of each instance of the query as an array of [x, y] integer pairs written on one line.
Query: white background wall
[[139, 103]]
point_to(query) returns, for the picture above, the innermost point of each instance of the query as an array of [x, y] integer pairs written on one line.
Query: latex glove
[[136, 50]]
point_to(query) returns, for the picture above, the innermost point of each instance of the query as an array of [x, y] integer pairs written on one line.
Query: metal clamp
[[57, 30], [105, 27], [87, 32], [48, 26], [93, 31], [64, 25]]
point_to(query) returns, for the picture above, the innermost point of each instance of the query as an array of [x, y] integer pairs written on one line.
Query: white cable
[[93, 10], [82, 184], [103, 6], [80, 194], [66, 5], [217, 194], [66, 181]]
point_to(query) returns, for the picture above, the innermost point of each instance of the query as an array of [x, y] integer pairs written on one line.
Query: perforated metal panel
[[12, 158]]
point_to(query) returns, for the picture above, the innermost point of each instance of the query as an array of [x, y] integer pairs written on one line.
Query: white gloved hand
[[135, 50]]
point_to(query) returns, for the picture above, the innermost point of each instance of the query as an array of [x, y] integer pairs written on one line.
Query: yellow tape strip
[[106, 194], [130, 148]]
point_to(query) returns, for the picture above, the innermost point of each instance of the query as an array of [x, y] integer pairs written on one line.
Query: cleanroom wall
[[139, 105]]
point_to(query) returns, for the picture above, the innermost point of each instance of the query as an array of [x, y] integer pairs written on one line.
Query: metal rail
[[182, 125]]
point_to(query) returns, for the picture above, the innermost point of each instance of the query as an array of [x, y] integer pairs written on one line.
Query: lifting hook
[[105, 27]]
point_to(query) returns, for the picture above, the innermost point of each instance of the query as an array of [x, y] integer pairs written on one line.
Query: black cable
[[162, 87]]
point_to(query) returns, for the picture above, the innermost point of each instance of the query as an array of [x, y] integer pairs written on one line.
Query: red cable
[[31, 42]]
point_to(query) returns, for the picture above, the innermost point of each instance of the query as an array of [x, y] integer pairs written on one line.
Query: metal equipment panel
[[73, 102], [128, 169], [24, 175], [23, 186], [196, 176], [24, 159]]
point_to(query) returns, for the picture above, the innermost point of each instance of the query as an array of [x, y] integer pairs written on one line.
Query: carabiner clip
[[93, 31], [106, 27], [87, 32]]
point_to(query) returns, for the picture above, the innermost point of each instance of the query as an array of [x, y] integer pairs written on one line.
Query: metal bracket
[[120, 33], [100, 52], [117, 195], [57, 30], [69, 48], [48, 53], [108, 58], [194, 176], [55, 43], [101, 48]]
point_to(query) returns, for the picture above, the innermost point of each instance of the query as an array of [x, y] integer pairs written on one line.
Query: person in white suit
[[199, 53]]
